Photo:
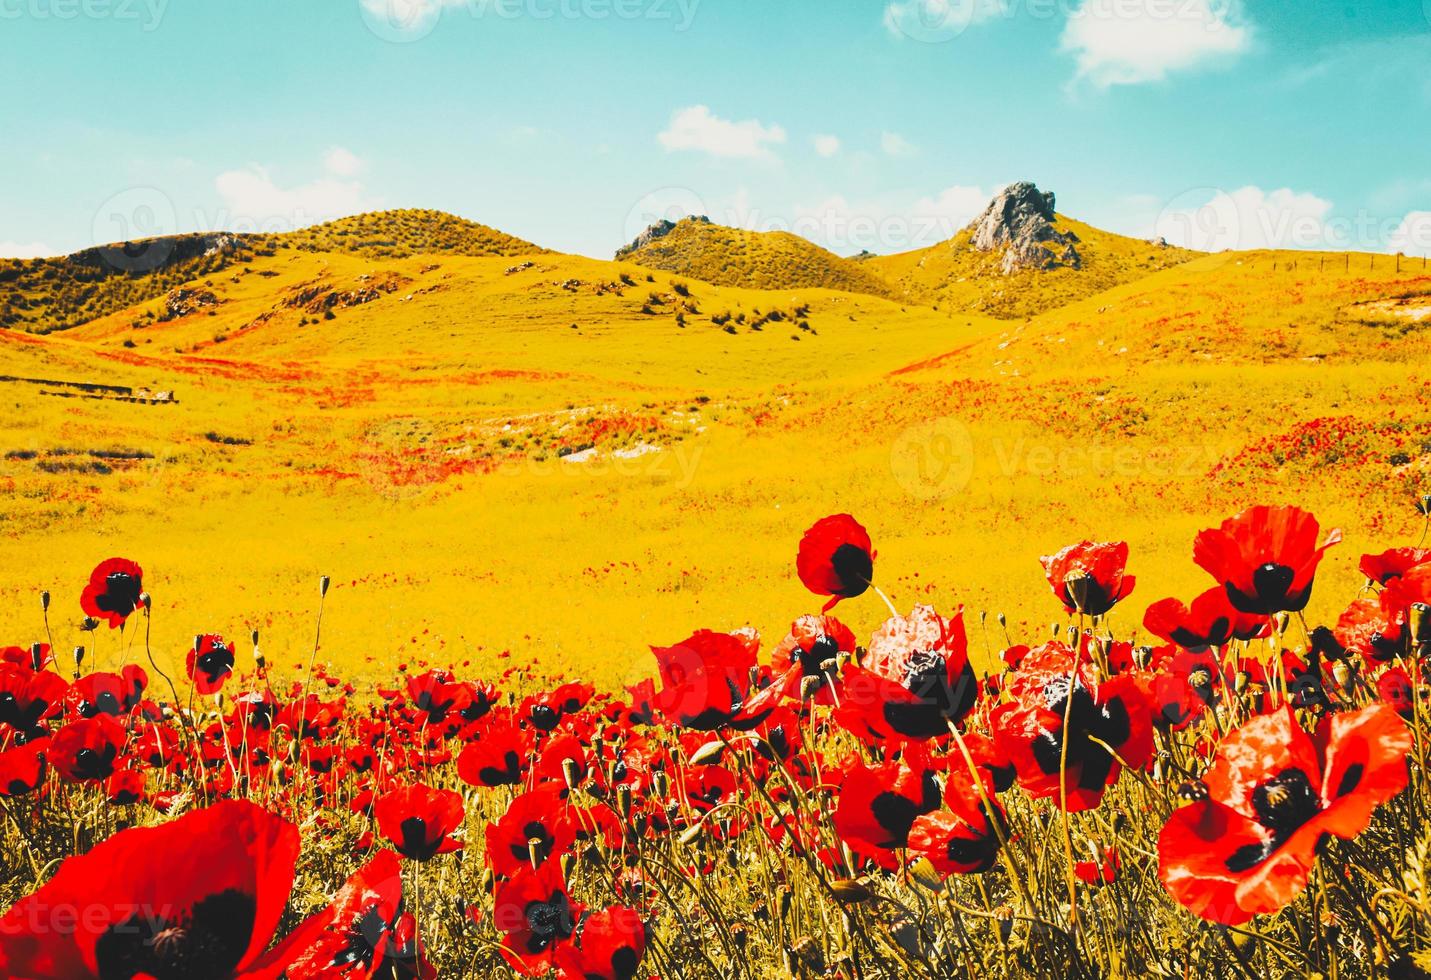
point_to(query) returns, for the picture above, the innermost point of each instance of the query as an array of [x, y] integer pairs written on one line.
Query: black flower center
[[854, 567], [209, 942]]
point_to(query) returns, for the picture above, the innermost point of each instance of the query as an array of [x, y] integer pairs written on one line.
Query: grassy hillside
[[958, 277], [43, 295], [754, 260], [489, 455], [403, 233]]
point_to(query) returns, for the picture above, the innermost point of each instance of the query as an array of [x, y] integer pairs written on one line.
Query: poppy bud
[[37, 655], [732, 858], [1344, 675], [1240, 682], [571, 772], [809, 687], [661, 783], [709, 753], [254, 637], [487, 880], [923, 873], [852, 890], [1283, 621], [568, 864], [691, 834], [44, 602], [1142, 657], [145, 601], [1420, 622], [1424, 504], [79, 656], [1005, 917], [323, 583], [623, 800], [1003, 621], [786, 897]]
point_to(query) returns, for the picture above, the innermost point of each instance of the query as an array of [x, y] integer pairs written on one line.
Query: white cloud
[[1251, 217], [697, 128], [255, 201], [827, 146], [895, 145], [1413, 235], [341, 162], [938, 20], [28, 250], [1125, 42]]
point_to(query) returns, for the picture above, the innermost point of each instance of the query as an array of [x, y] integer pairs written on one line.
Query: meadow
[[491, 585]]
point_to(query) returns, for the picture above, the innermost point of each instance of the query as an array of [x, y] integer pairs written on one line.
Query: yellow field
[[447, 449]]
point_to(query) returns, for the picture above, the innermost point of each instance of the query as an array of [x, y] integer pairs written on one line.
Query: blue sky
[[859, 123]]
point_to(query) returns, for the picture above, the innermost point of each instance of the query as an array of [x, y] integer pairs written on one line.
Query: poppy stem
[[879, 592]]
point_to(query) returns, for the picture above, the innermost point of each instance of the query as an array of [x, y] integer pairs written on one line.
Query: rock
[[656, 232], [1020, 220], [1159, 242], [183, 302]]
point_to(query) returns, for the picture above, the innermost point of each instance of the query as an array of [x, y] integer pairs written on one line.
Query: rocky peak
[[656, 232], [1020, 220]]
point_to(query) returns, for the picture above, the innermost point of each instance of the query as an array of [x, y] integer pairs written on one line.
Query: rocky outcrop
[[656, 232], [1020, 221], [185, 302]]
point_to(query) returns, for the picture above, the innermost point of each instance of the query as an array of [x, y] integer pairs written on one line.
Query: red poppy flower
[[210, 662], [22, 768], [1088, 577], [536, 916], [1248, 847], [113, 591], [87, 750], [916, 681], [1368, 630], [607, 945], [436, 695], [707, 682], [1395, 688], [1185, 687], [963, 838], [362, 932], [1053, 705], [835, 559], [878, 805], [418, 820], [536, 828], [1393, 563], [1265, 558], [1102, 872], [36, 657], [28, 697], [198, 897], [103, 693], [1211, 621], [499, 755], [124, 787], [813, 642]]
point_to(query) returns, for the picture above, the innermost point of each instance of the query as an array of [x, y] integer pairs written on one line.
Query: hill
[[47, 294], [1021, 258], [713, 253]]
